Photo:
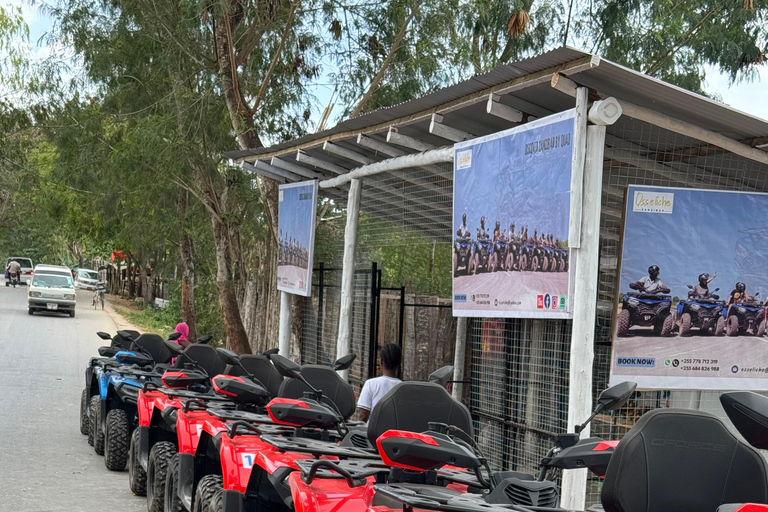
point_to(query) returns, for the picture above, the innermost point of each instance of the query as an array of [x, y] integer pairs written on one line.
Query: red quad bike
[[155, 441], [423, 470], [241, 460]]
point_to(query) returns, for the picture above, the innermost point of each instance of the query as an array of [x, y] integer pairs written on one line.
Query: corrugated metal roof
[[607, 78]]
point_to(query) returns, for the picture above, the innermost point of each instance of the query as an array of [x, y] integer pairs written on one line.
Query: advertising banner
[[511, 205], [692, 290], [296, 237]]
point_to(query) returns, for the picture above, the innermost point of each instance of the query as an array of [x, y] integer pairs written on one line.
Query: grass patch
[[147, 320]]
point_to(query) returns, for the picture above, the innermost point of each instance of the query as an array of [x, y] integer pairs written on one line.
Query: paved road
[[46, 465]]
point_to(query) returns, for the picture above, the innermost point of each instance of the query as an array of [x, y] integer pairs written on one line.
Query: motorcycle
[[462, 255], [699, 312], [644, 309], [737, 319], [14, 279]]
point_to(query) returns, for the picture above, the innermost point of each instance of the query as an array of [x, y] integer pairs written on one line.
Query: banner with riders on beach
[[693, 287], [296, 237], [511, 206]]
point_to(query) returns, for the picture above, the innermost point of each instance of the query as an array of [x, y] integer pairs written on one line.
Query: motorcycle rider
[[701, 290], [651, 283], [14, 268]]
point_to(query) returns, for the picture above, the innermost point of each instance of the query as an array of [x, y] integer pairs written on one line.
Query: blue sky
[[507, 185], [749, 97], [295, 217], [707, 232]]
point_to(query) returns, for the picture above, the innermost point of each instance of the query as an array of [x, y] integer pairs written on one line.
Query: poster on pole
[[296, 237], [693, 284], [511, 206]]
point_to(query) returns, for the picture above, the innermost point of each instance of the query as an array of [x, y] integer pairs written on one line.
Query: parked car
[[26, 269], [86, 279], [52, 289]]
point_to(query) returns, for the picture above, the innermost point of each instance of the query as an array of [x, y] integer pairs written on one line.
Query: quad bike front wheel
[[732, 326], [172, 502], [523, 265], [509, 263], [685, 324], [116, 440], [84, 418], [668, 324], [493, 262], [544, 264], [473, 261], [208, 497], [157, 470], [95, 428], [137, 477], [455, 265], [622, 323], [720, 327], [761, 328]]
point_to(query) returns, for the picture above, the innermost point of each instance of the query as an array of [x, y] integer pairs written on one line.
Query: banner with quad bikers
[[691, 311], [511, 206], [296, 237]]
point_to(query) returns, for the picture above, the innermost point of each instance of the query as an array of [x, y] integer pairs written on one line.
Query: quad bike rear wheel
[[668, 324], [95, 428], [685, 324], [208, 497], [732, 326], [84, 418], [117, 436], [720, 327], [622, 323], [157, 469], [137, 477], [172, 502]]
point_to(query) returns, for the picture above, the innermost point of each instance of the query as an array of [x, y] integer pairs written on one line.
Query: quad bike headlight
[[695, 307], [633, 301], [741, 310]]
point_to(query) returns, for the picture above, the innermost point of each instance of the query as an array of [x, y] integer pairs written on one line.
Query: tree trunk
[[237, 340], [130, 272], [187, 257]]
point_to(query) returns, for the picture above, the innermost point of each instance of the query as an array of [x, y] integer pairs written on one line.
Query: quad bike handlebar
[[351, 480]]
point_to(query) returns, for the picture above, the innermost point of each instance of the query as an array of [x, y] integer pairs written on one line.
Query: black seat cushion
[[412, 406], [124, 344], [682, 461], [204, 357], [154, 345], [261, 368], [326, 380]]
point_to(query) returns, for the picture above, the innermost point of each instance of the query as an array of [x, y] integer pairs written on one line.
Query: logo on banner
[[460, 297], [546, 301], [562, 302], [648, 201], [555, 302], [540, 301], [644, 362], [464, 159]]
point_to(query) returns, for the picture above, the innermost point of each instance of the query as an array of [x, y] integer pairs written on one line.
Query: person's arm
[[364, 414], [712, 278], [364, 402]]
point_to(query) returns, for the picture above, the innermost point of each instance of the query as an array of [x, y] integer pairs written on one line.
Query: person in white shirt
[[374, 389], [650, 284]]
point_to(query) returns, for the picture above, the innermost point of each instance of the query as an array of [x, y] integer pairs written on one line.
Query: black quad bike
[[525, 259], [481, 256], [501, 258], [701, 313], [646, 310], [739, 319], [462, 255]]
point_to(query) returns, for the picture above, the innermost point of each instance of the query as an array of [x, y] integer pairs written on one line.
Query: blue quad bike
[[501, 257], [740, 319], [462, 255], [526, 259], [700, 313], [646, 310], [481, 256]]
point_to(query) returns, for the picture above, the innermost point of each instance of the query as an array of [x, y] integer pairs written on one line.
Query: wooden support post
[[348, 271], [458, 357], [284, 334]]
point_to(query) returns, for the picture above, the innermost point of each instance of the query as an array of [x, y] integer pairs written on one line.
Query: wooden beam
[[436, 127], [498, 109], [381, 147], [296, 168], [252, 168], [395, 137], [346, 153], [280, 172], [320, 163]]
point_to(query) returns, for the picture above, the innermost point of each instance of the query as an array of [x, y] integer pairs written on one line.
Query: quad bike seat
[[261, 368], [154, 345], [413, 405], [325, 379], [122, 343], [682, 461], [203, 357]]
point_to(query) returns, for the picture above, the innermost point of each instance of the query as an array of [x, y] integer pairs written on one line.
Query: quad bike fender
[[232, 501], [329, 494], [146, 406], [239, 456], [189, 428], [143, 446], [186, 490]]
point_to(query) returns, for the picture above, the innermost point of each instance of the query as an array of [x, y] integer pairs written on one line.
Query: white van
[[52, 289]]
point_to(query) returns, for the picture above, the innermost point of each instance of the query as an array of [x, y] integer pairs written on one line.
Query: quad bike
[[646, 310], [462, 255], [500, 256], [442, 464], [525, 258], [702, 313], [562, 259], [738, 319], [481, 255]]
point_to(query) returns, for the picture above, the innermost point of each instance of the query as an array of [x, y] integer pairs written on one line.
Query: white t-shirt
[[374, 389]]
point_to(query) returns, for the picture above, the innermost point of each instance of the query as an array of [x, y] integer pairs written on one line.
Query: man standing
[[374, 389]]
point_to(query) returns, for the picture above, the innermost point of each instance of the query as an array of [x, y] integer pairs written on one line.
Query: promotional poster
[[511, 205], [296, 237], [692, 290]]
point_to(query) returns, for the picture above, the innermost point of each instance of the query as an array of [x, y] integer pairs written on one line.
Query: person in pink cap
[[183, 329]]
